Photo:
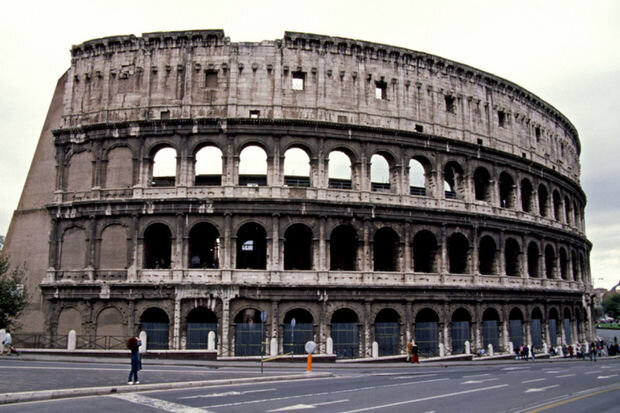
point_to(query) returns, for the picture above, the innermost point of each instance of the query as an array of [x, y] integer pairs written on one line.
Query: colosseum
[[305, 188]]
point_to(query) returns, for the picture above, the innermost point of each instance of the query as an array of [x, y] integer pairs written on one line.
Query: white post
[[442, 350], [511, 347], [330, 345], [274, 347], [490, 349], [211, 341], [71, 340], [143, 339], [467, 347], [375, 350], [2, 335], [545, 348]]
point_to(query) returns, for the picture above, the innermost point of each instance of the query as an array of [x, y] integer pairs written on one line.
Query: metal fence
[[295, 338], [198, 335], [490, 334], [248, 339], [386, 335], [346, 340], [537, 341], [427, 338], [460, 334], [516, 332]]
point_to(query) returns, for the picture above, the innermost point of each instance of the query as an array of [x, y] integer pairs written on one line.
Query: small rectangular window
[[299, 79], [537, 134], [449, 103], [381, 90], [501, 118], [480, 142], [419, 128], [255, 114], [211, 79]]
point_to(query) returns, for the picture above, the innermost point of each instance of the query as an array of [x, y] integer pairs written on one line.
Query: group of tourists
[[523, 353], [413, 352]]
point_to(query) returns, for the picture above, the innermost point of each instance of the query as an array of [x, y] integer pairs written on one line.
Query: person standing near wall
[[134, 344]]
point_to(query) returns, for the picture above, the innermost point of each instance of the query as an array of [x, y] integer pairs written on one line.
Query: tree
[[13, 296], [611, 303]]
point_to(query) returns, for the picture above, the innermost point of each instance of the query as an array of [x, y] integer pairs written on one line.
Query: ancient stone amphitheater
[[307, 188]]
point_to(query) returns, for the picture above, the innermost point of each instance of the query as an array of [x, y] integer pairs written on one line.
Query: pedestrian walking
[[134, 344], [593, 351], [7, 344], [409, 350], [415, 357]]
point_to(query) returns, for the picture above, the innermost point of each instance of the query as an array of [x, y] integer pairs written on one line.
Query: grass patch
[[612, 326]]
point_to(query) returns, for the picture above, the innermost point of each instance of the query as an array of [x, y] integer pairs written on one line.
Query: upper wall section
[[201, 74]]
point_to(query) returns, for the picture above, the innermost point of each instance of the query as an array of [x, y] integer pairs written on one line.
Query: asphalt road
[[559, 386]]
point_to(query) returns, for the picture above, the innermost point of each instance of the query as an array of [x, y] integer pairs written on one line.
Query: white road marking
[[306, 406], [411, 377], [516, 368], [476, 375], [158, 404], [593, 372], [321, 394], [439, 396], [606, 377], [533, 380], [538, 389], [228, 393], [565, 375], [478, 381]]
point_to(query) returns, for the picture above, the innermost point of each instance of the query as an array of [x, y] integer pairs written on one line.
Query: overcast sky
[[566, 52]]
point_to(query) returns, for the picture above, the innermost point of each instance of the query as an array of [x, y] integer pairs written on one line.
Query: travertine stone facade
[[455, 212]]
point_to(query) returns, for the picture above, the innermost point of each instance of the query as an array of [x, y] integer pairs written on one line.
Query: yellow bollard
[[309, 362]]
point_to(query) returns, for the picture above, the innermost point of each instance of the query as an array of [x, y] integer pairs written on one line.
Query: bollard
[[309, 366]]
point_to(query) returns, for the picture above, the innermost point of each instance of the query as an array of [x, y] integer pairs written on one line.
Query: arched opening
[[568, 212], [512, 253], [200, 321], [557, 205], [208, 166], [424, 252], [453, 180], [526, 195], [506, 191], [204, 246], [69, 319], [343, 248], [536, 329], [157, 246], [164, 167], [113, 251], [251, 247], [385, 248], [553, 327], [339, 169], [461, 330], [417, 177], [110, 325], [119, 168], [248, 333], [515, 327], [563, 264], [549, 262], [567, 326], [298, 248], [458, 250], [297, 330], [543, 200], [296, 168], [155, 322], [532, 260], [253, 166], [482, 184], [73, 249], [487, 256], [427, 332], [387, 332], [79, 173], [345, 335], [379, 173], [576, 276], [490, 329]]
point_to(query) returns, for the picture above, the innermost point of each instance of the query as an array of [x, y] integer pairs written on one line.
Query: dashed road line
[[158, 403]]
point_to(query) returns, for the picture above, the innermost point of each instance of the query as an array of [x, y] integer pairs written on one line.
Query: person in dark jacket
[[134, 344], [415, 356]]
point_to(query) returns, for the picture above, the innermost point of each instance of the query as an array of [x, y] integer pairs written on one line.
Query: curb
[[8, 398]]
